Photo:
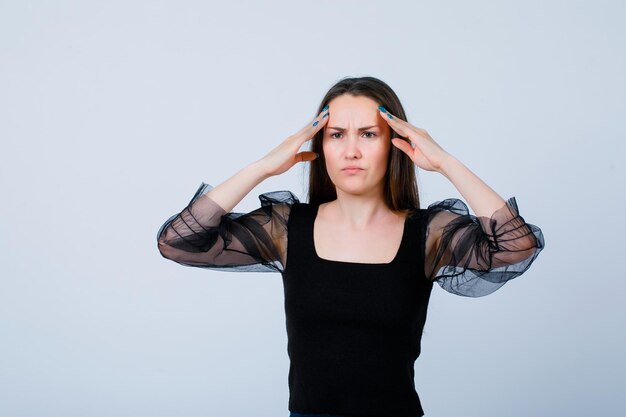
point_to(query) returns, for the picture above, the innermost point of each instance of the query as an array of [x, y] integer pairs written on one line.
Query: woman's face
[[356, 135]]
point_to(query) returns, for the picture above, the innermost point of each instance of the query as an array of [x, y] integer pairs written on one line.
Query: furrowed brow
[[341, 129]]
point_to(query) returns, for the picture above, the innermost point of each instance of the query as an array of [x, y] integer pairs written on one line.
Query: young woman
[[358, 261]]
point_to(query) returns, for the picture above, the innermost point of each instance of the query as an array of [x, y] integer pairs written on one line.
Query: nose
[[352, 147]]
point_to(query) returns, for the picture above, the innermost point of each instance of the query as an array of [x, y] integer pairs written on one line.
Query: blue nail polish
[[325, 115], [316, 122], [381, 108], [325, 108], [390, 116]]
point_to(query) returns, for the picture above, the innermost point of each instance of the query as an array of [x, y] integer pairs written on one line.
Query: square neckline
[[332, 261]]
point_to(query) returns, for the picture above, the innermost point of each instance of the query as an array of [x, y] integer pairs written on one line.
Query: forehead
[[348, 109]]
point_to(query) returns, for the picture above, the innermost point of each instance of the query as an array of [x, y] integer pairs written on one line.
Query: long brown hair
[[400, 184]]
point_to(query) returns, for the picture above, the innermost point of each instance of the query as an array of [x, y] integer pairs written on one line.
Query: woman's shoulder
[[278, 197], [414, 213]]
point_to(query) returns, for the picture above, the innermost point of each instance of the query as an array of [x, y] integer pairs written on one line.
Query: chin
[[352, 188]]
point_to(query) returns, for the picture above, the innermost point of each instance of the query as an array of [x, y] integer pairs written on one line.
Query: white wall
[[113, 113]]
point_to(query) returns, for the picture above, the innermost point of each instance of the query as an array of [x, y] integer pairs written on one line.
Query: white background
[[113, 112]]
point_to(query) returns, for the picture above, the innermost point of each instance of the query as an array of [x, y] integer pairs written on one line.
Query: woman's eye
[[332, 135]]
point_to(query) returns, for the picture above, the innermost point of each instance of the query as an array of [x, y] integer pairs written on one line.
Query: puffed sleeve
[[204, 235], [474, 256]]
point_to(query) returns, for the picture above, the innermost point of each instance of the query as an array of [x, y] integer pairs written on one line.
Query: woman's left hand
[[426, 154]]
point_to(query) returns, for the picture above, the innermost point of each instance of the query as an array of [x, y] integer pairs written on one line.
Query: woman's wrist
[[260, 167], [447, 164]]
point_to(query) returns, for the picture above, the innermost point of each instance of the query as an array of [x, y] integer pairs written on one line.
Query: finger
[[403, 145], [398, 125], [317, 123], [306, 156]]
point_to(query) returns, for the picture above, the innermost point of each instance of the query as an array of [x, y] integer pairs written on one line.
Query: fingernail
[[315, 123], [390, 116], [381, 108], [325, 115], [325, 108]]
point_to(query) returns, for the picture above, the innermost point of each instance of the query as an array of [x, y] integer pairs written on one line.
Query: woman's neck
[[358, 211]]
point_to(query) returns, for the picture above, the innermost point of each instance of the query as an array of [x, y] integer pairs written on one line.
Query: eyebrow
[[360, 129]]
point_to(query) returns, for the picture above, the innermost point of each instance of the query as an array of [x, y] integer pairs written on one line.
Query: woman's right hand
[[286, 155]]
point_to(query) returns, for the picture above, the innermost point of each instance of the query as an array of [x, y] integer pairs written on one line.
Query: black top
[[354, 329]]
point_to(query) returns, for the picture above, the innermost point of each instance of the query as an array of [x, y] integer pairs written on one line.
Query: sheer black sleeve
[[204, 235], [474, 256]]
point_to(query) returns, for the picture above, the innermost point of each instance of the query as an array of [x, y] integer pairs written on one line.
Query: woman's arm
[[206, 233], [279, 160], [428, 155], [468, 254], [508, 240], [230, 193], [191, 234], [487, 205], [483, 200]]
